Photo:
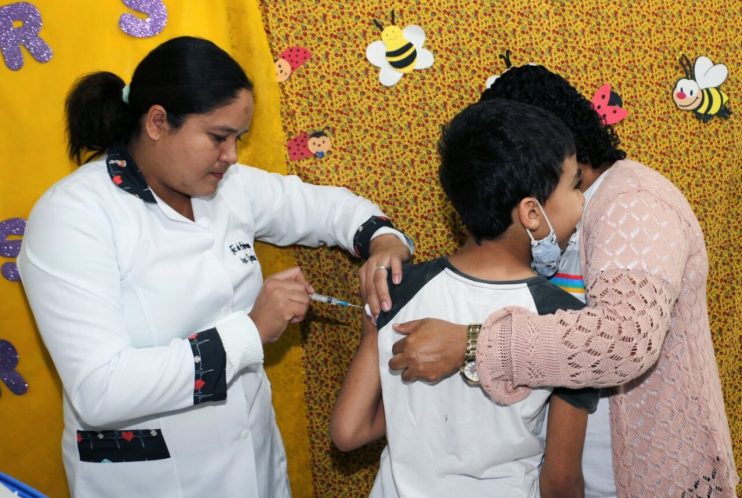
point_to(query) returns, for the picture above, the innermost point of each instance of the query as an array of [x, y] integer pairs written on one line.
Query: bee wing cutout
[[388, 76], [424, 58], [415, 35], [708, 74], [376, 54]]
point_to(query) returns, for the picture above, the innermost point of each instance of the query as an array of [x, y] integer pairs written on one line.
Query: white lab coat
[[116, 285]]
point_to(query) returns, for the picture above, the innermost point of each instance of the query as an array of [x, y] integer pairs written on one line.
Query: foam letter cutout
[[9, 248], [144, 28], [8, 363], [12, 35]]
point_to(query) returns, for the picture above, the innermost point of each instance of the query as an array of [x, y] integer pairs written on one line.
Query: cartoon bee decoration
[[505, 56], [699, 92], [399, 52]]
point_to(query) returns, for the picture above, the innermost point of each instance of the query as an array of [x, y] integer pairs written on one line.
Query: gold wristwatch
[[469, 368]]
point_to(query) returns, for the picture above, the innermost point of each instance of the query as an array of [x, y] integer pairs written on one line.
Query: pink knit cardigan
[[645, 329]]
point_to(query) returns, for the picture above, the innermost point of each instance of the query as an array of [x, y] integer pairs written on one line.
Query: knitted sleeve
[[634, 250]]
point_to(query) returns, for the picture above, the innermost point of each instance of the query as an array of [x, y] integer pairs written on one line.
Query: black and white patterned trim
[[135, 445], [210, 362], [125, 174]]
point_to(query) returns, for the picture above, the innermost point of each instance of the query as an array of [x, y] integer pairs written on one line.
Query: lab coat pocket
[[124, 463], [127, 479]]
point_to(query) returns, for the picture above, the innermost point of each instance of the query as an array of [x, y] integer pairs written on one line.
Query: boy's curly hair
[[596, 143]]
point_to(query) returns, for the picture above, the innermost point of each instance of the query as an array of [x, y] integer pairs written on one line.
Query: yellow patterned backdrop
[[383, 148], [384, 142]]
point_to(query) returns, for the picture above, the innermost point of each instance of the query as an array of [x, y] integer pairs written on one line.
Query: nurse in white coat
[[141, 274]]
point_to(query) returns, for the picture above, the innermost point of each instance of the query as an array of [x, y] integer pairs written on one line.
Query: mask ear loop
[[551, 228]]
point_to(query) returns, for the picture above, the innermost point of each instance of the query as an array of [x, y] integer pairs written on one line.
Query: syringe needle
[[331, 300]]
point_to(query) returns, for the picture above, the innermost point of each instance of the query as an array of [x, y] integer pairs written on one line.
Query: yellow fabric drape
[[85, 37]]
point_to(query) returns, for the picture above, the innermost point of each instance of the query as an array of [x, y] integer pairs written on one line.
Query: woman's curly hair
[[596, 143]]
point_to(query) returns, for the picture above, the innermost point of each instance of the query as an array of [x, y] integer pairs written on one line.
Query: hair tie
[[125, 93]]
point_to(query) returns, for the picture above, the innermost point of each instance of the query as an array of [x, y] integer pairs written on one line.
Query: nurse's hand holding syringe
[[283, 299]]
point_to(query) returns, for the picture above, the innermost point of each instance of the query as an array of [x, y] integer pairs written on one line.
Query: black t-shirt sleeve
[[416, 276], [585, 398]]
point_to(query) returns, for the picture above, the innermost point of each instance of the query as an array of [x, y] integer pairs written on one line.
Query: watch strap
[[472, 336]]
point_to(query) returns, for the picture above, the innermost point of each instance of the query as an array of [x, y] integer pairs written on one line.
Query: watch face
[[470, 371]]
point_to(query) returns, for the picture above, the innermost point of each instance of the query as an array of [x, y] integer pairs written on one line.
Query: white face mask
[[545, 252]]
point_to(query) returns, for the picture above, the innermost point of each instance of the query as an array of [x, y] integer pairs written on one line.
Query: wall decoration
[[505, 56], [699, 91], [289, 61], [8, 363], [310, 144], [320, 143], [297, 147], [399, 52], [10, 247], [12, 37], [144, 28], [609, 105]]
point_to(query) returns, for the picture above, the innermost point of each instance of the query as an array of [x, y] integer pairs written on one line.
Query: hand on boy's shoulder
[[384, 264], [431, 350]]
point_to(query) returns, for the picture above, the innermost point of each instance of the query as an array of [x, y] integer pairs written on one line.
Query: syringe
[[332, 300]]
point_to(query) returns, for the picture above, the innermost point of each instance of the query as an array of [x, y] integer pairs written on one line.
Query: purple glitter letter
[[152, 26], [9, 248], [11, 37], [8, 363]]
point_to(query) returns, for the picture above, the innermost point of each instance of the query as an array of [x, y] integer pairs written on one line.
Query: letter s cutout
[[144, 28]]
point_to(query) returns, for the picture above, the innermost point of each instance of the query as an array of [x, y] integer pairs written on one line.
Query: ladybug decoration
[[310, 144], [608, 105], [289, 61], [319, 143]]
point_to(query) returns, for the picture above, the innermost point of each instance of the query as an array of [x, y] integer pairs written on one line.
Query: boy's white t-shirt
[[448, 438], [597, 460]]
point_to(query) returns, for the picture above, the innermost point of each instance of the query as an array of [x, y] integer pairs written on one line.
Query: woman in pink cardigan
[[645, 329]]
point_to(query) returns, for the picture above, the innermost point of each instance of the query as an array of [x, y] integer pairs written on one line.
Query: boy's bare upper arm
[[358, 415], [561, 473], [565, 434]]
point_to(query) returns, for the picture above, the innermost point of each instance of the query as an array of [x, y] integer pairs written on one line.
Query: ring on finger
[[381, 267]]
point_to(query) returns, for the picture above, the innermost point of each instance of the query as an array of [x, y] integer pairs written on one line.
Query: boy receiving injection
[[510, 171]]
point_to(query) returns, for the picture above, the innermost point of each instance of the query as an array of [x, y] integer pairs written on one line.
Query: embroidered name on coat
[[244, 251]]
